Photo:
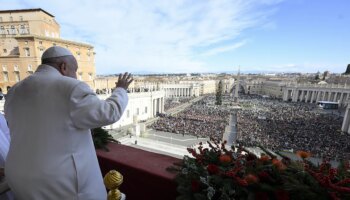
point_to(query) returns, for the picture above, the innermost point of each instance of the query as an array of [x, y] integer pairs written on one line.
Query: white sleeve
[[88, 111]]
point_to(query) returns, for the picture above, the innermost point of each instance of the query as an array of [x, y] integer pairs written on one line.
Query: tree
[[347, 72], [219, 94]]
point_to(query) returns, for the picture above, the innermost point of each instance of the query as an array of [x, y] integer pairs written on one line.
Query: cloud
[[158, 35], [222, 49]]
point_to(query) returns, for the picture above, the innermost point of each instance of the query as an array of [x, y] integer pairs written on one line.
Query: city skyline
[[206, 36]]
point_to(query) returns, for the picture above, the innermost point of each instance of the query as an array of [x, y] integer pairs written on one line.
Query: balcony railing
[[145, 173]]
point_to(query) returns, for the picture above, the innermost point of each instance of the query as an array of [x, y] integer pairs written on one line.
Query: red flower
[[264, 176], [251, 179], [264, 158], [278, 164], [195, 186], [213, 169], [241, 182], [303, 154], [225, 159]]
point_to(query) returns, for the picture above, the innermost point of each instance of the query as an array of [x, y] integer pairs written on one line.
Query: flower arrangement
[[217, 173], [101, 138]]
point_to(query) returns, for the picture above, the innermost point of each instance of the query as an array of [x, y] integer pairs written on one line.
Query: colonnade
[[346, 122], [178, 92], [313, 95], [157, 105]]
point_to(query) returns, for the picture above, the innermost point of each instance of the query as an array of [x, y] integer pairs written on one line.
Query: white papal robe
[[4, 147], [51, 154], [4, 140]]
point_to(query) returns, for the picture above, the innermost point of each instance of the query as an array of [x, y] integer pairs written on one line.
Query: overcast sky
[[205, 36]]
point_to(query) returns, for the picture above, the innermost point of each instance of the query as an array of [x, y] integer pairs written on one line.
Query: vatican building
[[24, 36]]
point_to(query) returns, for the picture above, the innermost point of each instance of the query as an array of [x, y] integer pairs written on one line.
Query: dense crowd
[[202, 119], [172, 103], [281, 126], [267, 122]]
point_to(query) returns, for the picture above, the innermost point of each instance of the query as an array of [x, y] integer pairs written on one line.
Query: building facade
[[141, 106], [25, 35], [171, 88], [313, 93]]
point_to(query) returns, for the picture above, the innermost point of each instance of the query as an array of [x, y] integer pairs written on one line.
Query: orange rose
[[225, 158], [303, 154], [278, 164], [251, 179], [264, 158]]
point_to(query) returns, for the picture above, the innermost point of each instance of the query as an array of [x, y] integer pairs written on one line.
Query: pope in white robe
[[50, 115]]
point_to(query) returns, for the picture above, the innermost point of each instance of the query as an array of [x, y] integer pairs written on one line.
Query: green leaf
[[101, 138]]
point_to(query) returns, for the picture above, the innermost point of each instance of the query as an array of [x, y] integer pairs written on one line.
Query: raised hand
[[124, 80]]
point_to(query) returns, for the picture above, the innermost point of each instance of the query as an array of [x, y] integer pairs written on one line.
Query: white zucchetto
[[55, 51]]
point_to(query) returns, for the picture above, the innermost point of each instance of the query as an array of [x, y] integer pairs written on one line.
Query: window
[[4, 68], [26, 42], [5, 50], [30, 67], [138, 111], [53, 44], [127, 113], [90, 76], [22, 30], [26, 52], [88, 55], [40, 42], [13, 30], [41, 49], [2, 30], [80, 76], [0, 19], [18, 78], [146, 110], [15, 68], [11, 19], [6, 76], [20, 18]]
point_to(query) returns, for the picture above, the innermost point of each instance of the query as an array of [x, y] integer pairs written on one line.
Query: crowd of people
[[172, 103], [267, 122], [279, 126], [202, 119]]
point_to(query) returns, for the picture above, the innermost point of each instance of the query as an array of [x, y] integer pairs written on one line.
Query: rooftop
[[26, 10]]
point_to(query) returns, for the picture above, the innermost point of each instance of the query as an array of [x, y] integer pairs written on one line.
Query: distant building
[[172, 86], [269, 87], [24, 36], [141, 106]]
